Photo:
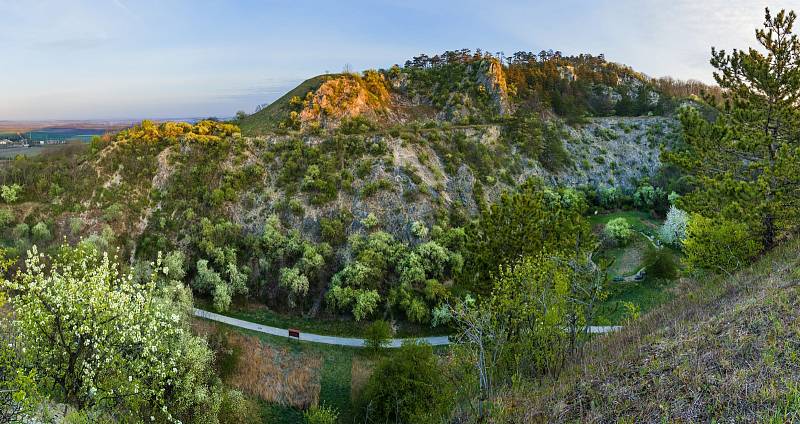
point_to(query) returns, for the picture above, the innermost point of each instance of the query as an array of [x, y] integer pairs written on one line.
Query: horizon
[[120, 60]]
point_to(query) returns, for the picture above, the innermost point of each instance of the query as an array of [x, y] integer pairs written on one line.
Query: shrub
[[373, 187], [719, 244], [333, 230], [40, 232], [21, 231], [321, 415], [112, 213], [407, 387], [75, 225], [370, 221], [235, 408], [618, 230], [6, 217], [10, 194], [661, 264], [673, 232], [419, 229], [378, 336]]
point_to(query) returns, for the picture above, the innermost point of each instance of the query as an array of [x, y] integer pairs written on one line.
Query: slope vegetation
[[725, 350]]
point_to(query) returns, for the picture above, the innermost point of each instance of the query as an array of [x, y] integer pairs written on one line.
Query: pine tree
[[744, 164]]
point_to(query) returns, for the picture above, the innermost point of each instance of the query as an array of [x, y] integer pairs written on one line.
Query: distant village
[[6, 143]]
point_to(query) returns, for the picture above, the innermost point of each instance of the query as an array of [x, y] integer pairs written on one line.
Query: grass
[[646, 295], [334, 376], [625, 262], [639, 221], [723, 350], [268, 118]]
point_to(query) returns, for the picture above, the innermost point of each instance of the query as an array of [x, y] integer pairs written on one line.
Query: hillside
[[408, 156], [724, 350]]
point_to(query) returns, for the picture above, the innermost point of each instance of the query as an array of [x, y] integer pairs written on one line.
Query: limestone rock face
[[346, 96], [493, 80]]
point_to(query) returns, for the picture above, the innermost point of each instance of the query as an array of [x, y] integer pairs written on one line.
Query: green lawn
[[640, 221], [627, 260], [645, 294]]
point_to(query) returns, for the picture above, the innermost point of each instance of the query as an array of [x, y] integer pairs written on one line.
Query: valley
[[468, 237]]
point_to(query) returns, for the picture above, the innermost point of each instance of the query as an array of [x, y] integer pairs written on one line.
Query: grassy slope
[[268, 118], [724, 350]]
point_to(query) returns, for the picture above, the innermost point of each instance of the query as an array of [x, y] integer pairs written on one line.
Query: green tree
[[103, 343], [407, 387], [378, 335], [719, 244], [648, 197], [523, 223], [618, 230], [295, 282], [744, 164]]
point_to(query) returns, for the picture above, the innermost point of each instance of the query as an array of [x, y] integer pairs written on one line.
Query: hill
[[391, 164], [269, 117], [724, 350]]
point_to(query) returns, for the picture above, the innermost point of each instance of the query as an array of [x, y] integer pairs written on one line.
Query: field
[[12, 152]]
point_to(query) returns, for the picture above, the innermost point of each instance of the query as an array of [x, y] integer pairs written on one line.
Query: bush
[[370, 221], [10, 194], [321, 415], [660, 264], [40, 232], [378, 336], [21, 231], [6, 217], [719, 244], [333, 230], [407, 387], [673, 232], [619, 231], [235, 408]]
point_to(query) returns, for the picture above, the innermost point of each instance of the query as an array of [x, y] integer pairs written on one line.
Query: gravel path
[[338, 341]]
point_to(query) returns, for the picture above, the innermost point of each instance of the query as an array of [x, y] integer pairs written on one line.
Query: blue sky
[[119, 59]]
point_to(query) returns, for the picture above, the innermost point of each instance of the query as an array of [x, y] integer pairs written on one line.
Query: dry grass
[[361, 371], [274, 374], [725, 350]]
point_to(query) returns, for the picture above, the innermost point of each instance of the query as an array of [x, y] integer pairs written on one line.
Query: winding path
[[339, 341]]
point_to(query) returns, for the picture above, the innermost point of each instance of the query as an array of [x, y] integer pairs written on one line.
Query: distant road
[[339, 341]]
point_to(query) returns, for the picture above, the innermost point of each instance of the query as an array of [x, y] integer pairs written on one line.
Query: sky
[[134, 59]]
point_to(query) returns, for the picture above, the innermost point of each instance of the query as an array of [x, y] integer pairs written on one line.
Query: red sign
[[294, 333]]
